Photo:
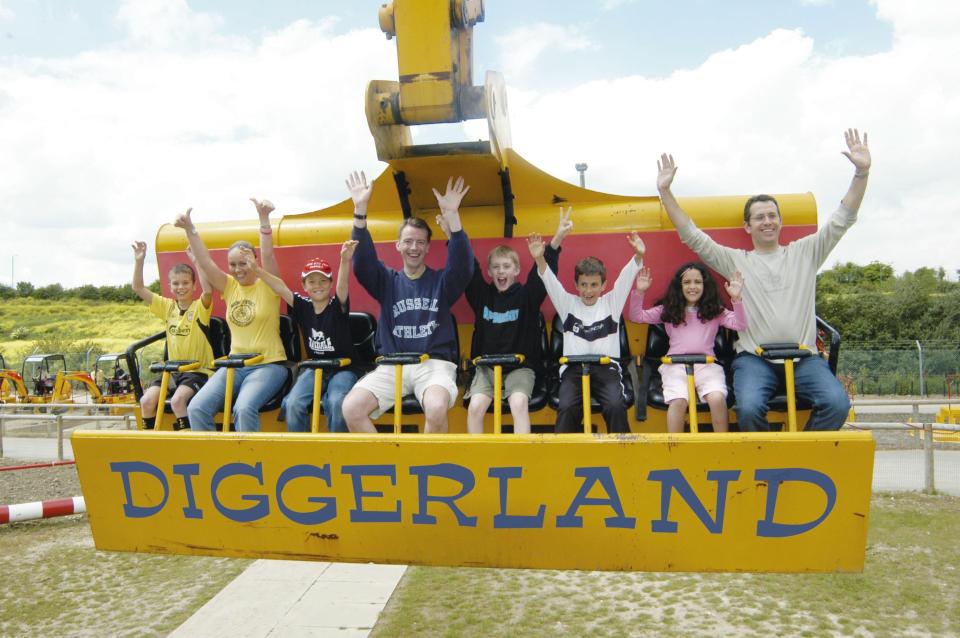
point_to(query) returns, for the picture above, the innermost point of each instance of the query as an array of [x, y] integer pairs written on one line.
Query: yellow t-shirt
[[253, 314], [186, 340]]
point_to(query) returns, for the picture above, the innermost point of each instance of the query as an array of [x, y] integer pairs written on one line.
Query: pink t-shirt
[[693, 336]]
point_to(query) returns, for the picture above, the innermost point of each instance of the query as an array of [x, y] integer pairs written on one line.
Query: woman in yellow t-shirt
[[253, 314], [187, 323]]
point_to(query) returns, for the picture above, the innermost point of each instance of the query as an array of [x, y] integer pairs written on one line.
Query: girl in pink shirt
[[691, 313]]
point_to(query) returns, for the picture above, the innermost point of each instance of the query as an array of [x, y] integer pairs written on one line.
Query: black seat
[[363, 329], [540, 396], [556, 351], [651, 384]]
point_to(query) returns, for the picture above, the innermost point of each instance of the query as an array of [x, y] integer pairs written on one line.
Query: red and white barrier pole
[[42, 509], [33, 466]]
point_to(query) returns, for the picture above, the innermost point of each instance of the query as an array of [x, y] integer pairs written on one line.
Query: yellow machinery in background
[[642, 501]]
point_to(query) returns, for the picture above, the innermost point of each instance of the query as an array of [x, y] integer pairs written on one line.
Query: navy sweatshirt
[[415, 313], [506, 322]]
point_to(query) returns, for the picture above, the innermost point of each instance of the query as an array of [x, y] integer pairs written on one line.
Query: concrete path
[[295, 599]]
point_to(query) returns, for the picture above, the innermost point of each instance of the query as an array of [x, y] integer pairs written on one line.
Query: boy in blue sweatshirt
[[415, 313]]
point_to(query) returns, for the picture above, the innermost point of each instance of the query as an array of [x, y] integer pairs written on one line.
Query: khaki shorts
[[707, 378], [416, 379], [518, 380]]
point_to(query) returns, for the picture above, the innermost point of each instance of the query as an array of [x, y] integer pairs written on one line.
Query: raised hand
[[734, 287], [191, 256], [444, 225], [346, 251], [638, 246], [858, 152], [535, 244], [183, 220], [644, 280], [264, 208], [360, 190], [566, 223], [666, 169], [139, 250], [450, 200]]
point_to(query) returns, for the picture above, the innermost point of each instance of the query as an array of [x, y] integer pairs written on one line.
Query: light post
[[582, 169]]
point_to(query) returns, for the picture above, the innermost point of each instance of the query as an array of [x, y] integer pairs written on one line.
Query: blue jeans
[[252, 388], [299, 402], [755, 382]]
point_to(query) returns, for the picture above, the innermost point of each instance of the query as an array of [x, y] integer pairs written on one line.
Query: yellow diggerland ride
[[776, 501]]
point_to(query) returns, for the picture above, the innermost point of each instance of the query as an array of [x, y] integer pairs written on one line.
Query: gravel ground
[[24, 486]]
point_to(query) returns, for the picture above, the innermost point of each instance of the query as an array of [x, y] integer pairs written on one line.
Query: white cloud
[[768, 116], [104, 147], [6, 13], [524, 46], [163, 23]]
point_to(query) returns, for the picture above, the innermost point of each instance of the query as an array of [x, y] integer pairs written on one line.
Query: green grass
[[111, 326], [56, 583], [908, 587]]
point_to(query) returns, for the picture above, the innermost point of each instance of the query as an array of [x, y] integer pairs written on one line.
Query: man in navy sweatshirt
[[415, 313]]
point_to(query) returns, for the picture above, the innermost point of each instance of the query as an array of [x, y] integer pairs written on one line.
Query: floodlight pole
[[582, 169]]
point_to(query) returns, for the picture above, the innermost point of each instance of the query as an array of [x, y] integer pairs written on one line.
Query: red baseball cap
[[317, 265]]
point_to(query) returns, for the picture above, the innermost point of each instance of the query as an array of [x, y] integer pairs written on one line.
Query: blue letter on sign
[[592, 476], [450, 471], [357, 472], [322, 515], [774, 478], [126, 468], [673, 480], [252, 513], [513, 521], [187, 470]]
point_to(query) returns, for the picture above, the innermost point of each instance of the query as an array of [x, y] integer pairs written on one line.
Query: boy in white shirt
[[591, 325]]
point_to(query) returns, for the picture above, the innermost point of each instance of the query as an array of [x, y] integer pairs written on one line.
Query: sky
[[115, 115]]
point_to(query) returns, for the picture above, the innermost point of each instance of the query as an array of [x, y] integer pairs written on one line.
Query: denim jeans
[[299, 401], [252, 387], [755, 381]]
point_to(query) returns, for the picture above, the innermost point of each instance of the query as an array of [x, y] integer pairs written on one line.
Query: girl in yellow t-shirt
[[253, 314], [186, 322]]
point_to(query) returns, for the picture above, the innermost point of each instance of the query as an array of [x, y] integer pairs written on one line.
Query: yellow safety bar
[[788, 352]]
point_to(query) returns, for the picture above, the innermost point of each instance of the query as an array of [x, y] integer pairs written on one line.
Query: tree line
[[88, 292]]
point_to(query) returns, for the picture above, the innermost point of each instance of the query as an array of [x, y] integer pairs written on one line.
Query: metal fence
[[901, 368], [912, 455]]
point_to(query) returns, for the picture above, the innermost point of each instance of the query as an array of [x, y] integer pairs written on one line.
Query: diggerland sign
[[762, 502]]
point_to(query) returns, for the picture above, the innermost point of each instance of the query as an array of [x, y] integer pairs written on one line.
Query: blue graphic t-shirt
[[415, 313], [325, 335]]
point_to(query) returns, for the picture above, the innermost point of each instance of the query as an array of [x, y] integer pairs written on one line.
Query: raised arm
[[536, 248], [264, 208], [360, 193], [859, 155], [459, 265], [666, 170], [449, 204], [139, 256], [206, 290], [563, 228], [216, 277], [343, 275], [276, 284]]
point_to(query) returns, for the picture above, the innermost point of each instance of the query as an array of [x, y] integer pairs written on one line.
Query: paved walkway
[[296, 599]]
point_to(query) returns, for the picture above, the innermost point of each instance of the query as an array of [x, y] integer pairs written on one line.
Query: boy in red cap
[[324, 322]]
